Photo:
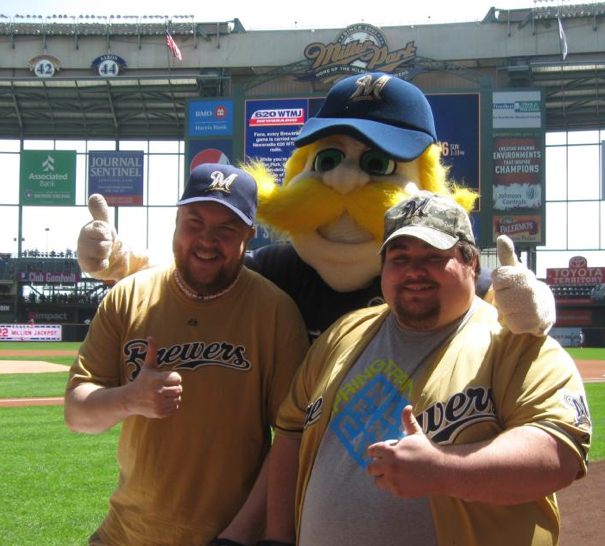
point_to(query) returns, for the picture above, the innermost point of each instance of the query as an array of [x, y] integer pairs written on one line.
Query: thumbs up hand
[[96, 239], [101, 253], [526, 304], [154, 393], [408, 467]]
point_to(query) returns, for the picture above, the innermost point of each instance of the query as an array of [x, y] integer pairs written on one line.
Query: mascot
[[373, 136]]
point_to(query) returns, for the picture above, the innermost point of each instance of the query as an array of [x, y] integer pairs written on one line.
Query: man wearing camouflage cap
[[471, 429]]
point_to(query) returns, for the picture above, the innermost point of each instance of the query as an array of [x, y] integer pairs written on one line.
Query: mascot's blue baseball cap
[[224, 184], [379, 110]]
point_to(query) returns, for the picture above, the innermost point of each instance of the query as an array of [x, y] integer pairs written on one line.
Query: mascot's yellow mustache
[[308, 204]]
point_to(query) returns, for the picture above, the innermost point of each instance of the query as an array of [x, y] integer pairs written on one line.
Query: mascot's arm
[[526, 305], [100, 253]]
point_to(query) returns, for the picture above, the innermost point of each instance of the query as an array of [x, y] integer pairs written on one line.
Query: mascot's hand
[[526, 305], [101, 253]]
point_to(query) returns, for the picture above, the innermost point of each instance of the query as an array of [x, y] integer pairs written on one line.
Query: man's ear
[[251, 234]]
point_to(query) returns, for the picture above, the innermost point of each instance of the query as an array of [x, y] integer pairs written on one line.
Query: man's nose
[[346, 177], [416, 267]]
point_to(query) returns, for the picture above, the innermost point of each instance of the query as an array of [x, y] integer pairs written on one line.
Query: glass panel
[[10, 230], [161, 229], [556, 138], [164, 147], [132, 226], [556, 173], [101, 145], [38, 144], [556, 226], [134, 145], [163, 180], [55, 229], [583, 180], [10, 145], [9, 179], [583, 225], [78, 145], [583, 137]]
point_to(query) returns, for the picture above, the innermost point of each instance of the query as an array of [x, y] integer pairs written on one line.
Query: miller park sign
[[358, 49]]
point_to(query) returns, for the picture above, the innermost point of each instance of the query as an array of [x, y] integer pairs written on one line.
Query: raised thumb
[[151, 358], [506, 251], [410, 425], [97, 206]]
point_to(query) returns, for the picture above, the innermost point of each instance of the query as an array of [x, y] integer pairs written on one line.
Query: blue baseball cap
[[379, 110], [224, 184]]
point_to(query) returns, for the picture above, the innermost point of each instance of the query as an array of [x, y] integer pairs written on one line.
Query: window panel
[[583, 225], [556, 173], [9, 179]]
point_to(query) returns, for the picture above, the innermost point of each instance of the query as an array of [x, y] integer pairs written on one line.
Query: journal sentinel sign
[[210, 118], [117, 176]]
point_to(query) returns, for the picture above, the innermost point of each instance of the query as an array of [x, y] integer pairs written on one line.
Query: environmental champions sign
[[48, 177]]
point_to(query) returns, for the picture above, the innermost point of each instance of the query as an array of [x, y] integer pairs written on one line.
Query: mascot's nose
[[346, 177]]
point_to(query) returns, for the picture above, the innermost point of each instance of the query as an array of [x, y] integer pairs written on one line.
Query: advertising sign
[[209, 118], [577, 274], [30, 332], [48, 177], [521, 229], [357, 49], [117, 176], [569, 317], [209, 151], [272, 125], [457, 122], [517, 109], [50, 277], [518, 172]]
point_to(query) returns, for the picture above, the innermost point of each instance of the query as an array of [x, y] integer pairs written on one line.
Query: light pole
[[47, 234]]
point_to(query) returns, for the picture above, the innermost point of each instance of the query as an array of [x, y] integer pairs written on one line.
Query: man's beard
[[219, 283], [305, 205], [410, 316]]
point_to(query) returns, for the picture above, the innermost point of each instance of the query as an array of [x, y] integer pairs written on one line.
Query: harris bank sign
[[358, 49]]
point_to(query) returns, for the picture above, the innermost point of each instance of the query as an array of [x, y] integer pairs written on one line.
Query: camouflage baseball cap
[[435, 219]]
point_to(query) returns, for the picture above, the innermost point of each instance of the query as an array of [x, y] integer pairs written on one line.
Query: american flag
[[174, 49]]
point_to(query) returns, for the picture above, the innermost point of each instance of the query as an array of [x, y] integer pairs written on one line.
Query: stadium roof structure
[[514, 48]]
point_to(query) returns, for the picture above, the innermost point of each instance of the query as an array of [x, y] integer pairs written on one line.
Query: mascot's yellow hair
[[309, 203]]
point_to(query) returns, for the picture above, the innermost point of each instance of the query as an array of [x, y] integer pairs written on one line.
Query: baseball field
[[55, 484]]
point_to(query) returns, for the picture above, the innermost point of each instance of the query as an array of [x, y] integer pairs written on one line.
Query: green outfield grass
[[28, 385], [40, 345], [55, 484]]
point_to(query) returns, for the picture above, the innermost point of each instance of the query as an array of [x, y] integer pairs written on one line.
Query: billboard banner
[[568, 317], [209, 151], [30, 332], [518, 172], [521, 229], [210, 118], [517, 109], [48, 178], [577, 274], [272, 125], [117, 176], [457, 122], [49, 277]]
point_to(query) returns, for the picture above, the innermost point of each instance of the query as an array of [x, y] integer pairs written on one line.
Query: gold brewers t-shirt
[[183, 478]]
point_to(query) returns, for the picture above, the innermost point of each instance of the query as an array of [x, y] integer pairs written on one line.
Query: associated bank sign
[[358, 49], [48, 177]]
